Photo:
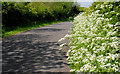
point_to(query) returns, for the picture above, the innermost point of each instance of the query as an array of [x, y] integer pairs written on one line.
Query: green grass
[[26, 28]]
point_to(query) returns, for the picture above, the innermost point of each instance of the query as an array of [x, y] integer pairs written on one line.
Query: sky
[[84, 3]]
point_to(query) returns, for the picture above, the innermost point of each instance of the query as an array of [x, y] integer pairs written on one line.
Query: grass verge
[[26, 28]]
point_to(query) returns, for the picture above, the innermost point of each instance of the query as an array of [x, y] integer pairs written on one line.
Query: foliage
[[93, 44], [20, 14]]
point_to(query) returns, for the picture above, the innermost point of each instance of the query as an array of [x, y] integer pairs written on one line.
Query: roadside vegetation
[[20, 16], [93, 43]]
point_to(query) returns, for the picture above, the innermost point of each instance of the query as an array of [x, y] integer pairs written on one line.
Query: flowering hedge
[[93, 44]]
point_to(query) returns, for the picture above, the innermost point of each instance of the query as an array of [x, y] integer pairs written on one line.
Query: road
[[36, 50]]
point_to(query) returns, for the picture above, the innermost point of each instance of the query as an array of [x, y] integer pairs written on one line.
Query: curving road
[[36, 50]]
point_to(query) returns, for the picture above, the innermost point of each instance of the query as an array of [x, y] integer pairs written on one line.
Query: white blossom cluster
[[94, 43]]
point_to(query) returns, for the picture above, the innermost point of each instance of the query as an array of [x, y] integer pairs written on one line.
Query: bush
[[22, 13], [93, 44]]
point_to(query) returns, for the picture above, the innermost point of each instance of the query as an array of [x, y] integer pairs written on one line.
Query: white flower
[[92, 57], [118, 23], [114, 44], [117, 13], [88, 55], [113, 33], [97, 6], [102, 48], [102, 66], [102, 6], [93, 68], [98, 38], [85, 60], [61, 39], [110, 25], [93, 39], [97, 11], [112, 11], [109, 33], [106, 13], [107, 19], [94, 42], [84, 50], [110, 18], [110, 6], [72, 70], [108, 64], [67, 36], [79, 56], [80, 38], [62, 44]]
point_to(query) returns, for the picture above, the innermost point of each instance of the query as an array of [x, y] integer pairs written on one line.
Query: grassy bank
[[35, 25]]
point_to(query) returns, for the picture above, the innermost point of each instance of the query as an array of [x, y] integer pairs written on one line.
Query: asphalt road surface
[[36, 50]]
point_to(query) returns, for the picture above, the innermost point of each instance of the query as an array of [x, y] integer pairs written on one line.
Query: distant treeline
[[20, 13]]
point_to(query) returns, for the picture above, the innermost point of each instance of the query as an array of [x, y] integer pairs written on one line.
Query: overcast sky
[[85, 4]]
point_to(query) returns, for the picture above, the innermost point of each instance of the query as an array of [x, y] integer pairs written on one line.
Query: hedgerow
[[16, 14], [93, 43]]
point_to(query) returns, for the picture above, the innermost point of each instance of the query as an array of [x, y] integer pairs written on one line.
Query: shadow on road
[[24, 53], [35, 50]]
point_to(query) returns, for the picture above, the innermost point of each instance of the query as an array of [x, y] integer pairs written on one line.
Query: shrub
[[21, 13], [93, 44]]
